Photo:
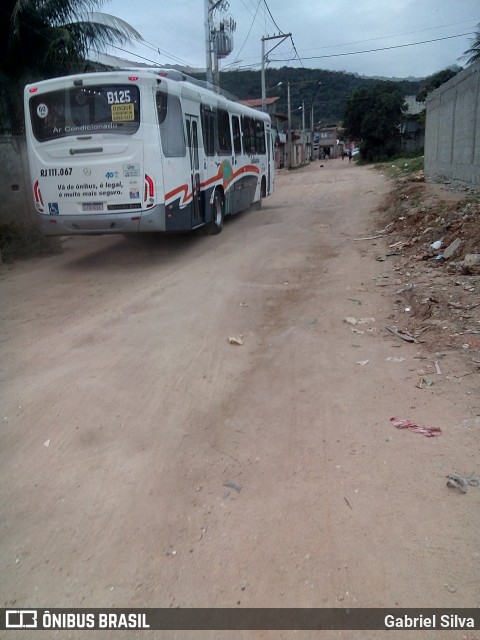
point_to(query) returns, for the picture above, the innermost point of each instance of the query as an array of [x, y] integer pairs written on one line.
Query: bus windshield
[[85, 110]]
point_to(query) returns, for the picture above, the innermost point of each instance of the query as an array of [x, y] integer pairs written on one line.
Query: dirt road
[[148, 462]]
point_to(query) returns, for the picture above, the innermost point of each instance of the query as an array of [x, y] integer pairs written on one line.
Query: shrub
[[25, 241]]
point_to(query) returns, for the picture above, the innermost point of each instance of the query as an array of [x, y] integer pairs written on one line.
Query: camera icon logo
[[21, 619]]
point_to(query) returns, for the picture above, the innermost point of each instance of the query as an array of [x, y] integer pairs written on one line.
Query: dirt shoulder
[[432, 232]]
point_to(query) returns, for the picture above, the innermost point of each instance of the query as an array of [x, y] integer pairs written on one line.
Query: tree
[[374, 115], [40, 40], [434, 81], [473, 52]]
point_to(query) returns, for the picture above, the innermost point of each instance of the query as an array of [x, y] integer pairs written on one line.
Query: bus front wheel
[[216, 225]]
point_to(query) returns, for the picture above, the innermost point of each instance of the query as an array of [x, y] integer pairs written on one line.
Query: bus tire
[[263, 193], [218, 214]]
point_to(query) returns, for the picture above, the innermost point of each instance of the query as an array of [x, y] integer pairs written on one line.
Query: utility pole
[[208, 42], [311, 132], [304, 153], [281, 37], [289, 141]]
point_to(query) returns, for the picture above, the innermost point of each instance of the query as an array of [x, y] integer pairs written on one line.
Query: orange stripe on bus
[[183, 189], [219, 177]]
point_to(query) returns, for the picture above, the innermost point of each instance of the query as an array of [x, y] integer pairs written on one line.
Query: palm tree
[[474, 51], [45, 38]]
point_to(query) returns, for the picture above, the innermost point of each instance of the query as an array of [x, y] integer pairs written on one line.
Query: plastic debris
[[457, 481], [437, 244], [400, 333], [381, 235], [353, 321], [233, 485], [362, 363], [429, 432], [424, 382], [235, 340]]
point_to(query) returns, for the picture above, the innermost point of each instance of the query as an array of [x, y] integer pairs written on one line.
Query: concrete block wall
[[16, 198], [452, 130]]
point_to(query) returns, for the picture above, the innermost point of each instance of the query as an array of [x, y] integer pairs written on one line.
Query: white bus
[[142, 150]]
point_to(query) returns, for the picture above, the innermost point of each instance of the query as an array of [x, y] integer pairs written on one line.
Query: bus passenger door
[[198, 213], [240, 194], [270, 161]]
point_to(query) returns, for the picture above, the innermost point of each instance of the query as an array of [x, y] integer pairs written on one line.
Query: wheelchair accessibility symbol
[[53, 208]]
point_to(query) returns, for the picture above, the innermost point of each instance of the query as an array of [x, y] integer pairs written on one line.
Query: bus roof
[[136, 74]]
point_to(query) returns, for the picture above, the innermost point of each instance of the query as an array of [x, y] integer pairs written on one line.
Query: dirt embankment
[[433, 243]]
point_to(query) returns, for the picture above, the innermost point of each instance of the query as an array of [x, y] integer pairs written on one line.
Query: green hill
[[328, 98]]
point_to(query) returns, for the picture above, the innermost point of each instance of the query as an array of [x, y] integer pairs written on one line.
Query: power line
[[270, 14], [259, 14], [160, 52], [398, 46], [131, 53], [295, 49], [395, 35], [261, 4], [248, 34]]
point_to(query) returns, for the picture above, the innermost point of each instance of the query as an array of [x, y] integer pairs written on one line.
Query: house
[[325, 142], [412, 129]]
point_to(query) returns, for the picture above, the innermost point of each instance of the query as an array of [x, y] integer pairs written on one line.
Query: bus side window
[[237, 137], [224, 136], [170, 120], [248, 135], [260, 136], [161, 99], [208, 130]]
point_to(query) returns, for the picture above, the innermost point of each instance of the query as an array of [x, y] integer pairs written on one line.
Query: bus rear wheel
[[216, 224], [263, 193]]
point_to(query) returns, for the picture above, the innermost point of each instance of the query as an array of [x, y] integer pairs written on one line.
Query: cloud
[[318, 30]]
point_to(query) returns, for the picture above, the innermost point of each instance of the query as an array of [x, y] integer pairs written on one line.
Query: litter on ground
[[456, 481], [400, 333], [429, 432], [233, 485], [353, 321]]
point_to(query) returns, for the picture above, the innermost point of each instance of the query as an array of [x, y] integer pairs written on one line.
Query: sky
[[322, 31]]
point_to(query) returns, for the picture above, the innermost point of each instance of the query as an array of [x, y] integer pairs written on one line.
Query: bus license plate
[[92, 206]]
